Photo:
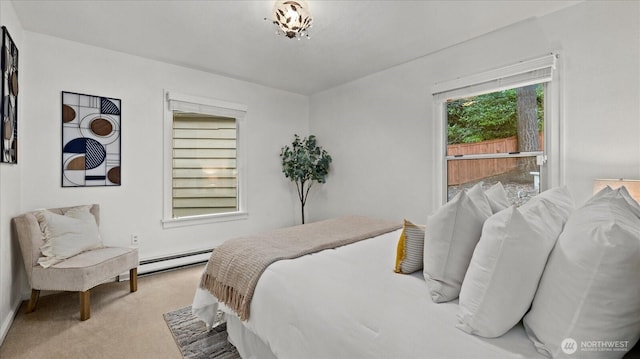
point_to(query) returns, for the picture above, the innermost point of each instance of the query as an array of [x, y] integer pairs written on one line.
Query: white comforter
[[348, 303]]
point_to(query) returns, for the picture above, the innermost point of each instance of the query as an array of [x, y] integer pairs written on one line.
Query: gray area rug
[[193, 339]]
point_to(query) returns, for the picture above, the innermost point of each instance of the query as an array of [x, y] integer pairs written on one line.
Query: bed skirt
[[249, 345]]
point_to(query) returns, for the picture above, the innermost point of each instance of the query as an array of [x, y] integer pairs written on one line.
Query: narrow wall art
[[90, 140], [9, 128]]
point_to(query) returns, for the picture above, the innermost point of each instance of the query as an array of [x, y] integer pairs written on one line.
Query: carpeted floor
[[123, 325], [193, 339]]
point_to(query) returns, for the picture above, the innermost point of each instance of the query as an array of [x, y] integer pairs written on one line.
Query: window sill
[[203, 219]]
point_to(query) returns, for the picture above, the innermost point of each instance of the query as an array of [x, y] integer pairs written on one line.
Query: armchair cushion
[[85, 270]]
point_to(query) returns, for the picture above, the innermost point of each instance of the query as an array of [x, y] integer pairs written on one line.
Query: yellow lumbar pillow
[[409, 255]]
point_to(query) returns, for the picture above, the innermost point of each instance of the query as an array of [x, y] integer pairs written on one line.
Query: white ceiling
[[349, 39]]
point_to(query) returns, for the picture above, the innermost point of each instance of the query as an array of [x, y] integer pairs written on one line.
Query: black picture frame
[[91, 140], [9, 99]]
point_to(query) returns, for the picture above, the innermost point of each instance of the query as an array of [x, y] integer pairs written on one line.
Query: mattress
[[348, 303]]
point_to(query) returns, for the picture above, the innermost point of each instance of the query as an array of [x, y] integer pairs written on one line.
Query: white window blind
[[524, 73], [204, 165]]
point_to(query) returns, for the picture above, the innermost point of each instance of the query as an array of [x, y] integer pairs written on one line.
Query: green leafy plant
[[305, 163]]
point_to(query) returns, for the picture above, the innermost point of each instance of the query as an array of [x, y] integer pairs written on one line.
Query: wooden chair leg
[[85, 305], [133, 280], [35, 294]]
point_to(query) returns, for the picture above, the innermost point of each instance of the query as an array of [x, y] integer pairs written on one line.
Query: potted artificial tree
[[305, 163]]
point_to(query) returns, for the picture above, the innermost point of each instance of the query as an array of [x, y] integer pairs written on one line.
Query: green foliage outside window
[[487, 117]]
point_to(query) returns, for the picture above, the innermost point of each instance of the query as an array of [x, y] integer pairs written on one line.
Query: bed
[[384, 305], [347, 302]]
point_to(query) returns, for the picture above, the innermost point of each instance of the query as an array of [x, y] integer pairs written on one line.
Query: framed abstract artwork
[[9, 128], [91, 137]]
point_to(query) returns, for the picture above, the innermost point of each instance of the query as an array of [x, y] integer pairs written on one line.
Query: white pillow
[[67, 235], [497, 197], [451, 234], [622, 190], [563, 204], [479, 198], [604, 191], [508, 262], [589, 289], [633, 204]]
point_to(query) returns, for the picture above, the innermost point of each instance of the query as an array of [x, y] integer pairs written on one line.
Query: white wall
[[50, 65], [380, 129], [136, 205], [10, 197]]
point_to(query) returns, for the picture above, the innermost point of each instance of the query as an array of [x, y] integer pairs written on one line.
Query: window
[[500, 126], [203, 160], [204, 165]]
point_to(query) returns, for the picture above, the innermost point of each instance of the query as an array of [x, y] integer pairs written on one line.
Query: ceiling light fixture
[[292, 18]]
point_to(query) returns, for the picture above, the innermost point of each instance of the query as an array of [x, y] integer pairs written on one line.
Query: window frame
[[176, 101], [513, 76]]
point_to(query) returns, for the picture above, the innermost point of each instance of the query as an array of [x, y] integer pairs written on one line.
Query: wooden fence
[[464, 171]]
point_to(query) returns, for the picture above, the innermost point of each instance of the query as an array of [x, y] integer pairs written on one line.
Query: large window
[[497, 128], [203, 158]]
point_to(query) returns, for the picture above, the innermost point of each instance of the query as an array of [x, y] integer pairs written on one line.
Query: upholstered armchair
[[77, 272]]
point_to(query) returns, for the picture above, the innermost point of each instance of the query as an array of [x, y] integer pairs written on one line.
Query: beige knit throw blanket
[[235, 266]]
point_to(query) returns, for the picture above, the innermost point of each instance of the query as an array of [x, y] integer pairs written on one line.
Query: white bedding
[[348, 303]]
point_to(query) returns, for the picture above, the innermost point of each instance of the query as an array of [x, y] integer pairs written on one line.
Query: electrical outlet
[[135, 239]]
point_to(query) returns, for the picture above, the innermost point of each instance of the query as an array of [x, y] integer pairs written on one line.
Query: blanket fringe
[[226, 294]]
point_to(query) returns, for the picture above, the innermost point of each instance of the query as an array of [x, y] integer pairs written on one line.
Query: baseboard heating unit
[[161, 264]]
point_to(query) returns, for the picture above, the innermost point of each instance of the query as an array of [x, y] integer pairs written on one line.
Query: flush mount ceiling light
[[292, 18]]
